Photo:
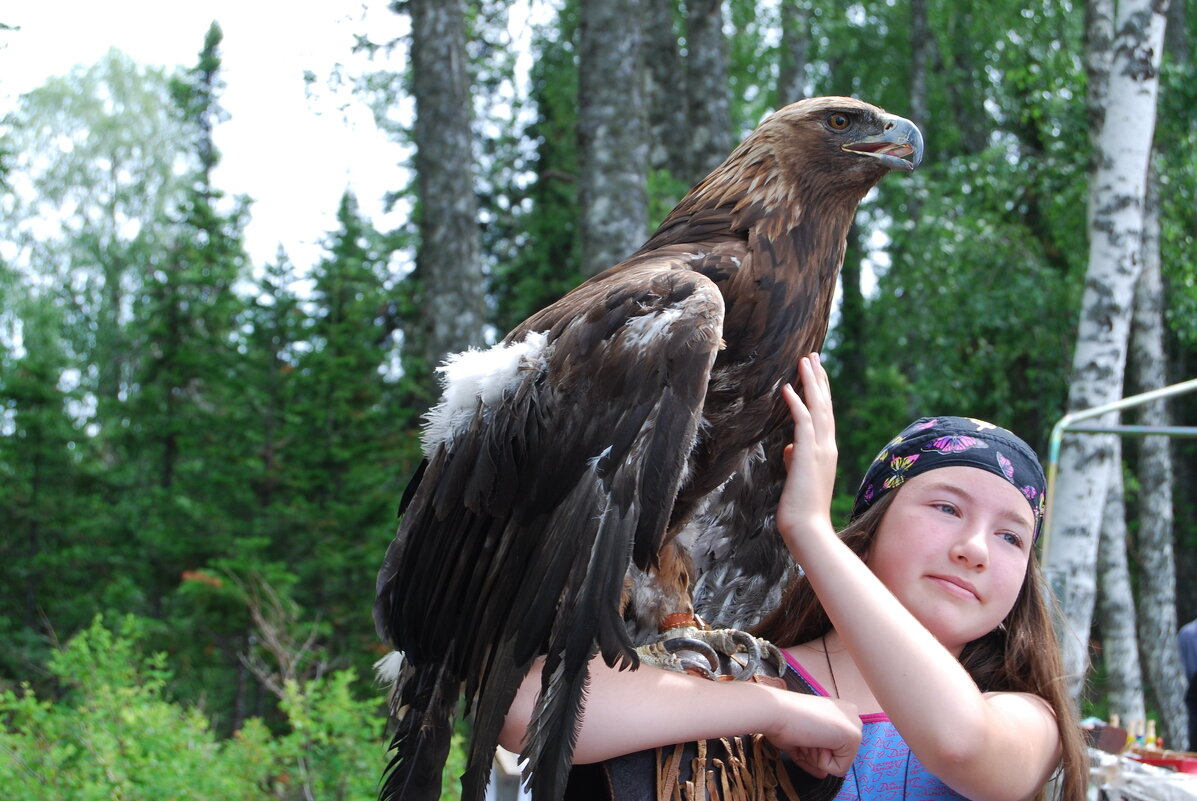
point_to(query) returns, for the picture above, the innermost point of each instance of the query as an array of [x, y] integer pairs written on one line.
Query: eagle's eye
[[838, 121]]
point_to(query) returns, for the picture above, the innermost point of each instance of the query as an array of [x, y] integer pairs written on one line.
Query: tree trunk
[[666, 105], [448, 261], [1116, 607], [1115, 236], [920, 45], [708, 103], [1157, 596], [851, 330], [33, 556], [1099, 49], [795, 49], [612, 141], [921, 42], [965, 92]]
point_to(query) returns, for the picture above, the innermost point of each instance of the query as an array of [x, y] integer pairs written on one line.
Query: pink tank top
[[885, 769]]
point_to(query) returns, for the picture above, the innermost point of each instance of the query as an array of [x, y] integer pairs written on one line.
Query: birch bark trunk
[[1157, 594], [1099, 49], [612, 132], [1116, 607], [1115, 235]]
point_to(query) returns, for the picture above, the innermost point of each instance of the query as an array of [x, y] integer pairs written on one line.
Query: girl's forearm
[[629, 711]]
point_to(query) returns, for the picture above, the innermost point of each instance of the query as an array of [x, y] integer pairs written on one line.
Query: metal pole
[[1068, 421]]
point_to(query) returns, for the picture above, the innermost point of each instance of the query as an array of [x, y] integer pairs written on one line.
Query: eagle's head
[[822, 152], [839, 141]]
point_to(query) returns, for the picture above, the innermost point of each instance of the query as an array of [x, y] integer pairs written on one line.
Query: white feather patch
[[648, 327], [474, 375], [387, 669]]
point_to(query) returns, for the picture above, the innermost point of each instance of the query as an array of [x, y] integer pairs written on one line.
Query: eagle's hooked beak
[[901, 138]]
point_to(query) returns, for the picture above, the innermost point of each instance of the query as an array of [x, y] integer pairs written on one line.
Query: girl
[[923, 628]]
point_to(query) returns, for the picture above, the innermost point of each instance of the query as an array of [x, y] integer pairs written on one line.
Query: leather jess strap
[[742, 768]]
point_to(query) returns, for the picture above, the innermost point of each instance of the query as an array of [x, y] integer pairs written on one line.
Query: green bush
[[113, 735]]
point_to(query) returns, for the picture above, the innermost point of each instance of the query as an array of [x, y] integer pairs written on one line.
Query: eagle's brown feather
[[603, 426]]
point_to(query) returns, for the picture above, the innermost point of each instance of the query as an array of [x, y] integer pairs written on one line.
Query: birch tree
[[1115, 600], [91, 157], [1115, 236], [612, 135], [1157, 595], [1116, 606], [1099, 38]]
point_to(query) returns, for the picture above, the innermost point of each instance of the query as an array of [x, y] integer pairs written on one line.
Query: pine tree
[[183, 324], [342, 438], [47, 490]]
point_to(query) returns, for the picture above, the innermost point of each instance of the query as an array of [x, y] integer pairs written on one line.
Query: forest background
[[202, 456]]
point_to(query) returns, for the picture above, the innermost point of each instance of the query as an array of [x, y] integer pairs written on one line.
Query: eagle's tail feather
[[425, 701], [595, 578], [499, 686]]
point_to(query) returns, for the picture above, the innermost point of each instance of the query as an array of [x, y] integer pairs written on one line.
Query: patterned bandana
[[932, 442]]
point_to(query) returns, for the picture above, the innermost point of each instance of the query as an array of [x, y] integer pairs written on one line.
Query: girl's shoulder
[[830, 672]]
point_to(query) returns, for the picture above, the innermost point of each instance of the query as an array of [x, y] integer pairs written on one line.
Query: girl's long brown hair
[[1023, 655]]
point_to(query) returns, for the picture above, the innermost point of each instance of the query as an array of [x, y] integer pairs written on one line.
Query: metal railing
[[1070, 423]]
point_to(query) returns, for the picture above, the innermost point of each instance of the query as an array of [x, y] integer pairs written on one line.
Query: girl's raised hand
[[805, 505]]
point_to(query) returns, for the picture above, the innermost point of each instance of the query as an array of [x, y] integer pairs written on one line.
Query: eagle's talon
[[684, 653], [675, 644], [732, 655], [696, 668]]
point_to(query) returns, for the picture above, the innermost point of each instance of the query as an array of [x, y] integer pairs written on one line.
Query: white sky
[[293, 155]]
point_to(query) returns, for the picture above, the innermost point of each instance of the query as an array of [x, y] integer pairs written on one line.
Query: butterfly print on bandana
[[955, 443], [1006, 465], [1031, 494], [900, 464]]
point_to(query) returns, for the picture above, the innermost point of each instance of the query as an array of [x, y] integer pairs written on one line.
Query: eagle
[[618, 449]]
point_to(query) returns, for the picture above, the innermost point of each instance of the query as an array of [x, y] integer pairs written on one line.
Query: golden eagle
[[561, 465]]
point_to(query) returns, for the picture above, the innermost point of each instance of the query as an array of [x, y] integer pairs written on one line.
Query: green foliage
[[331, 747], [45, 467], [114, 734], [968, 283]]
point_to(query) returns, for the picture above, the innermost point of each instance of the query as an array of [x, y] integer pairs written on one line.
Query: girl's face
[[953, 547]]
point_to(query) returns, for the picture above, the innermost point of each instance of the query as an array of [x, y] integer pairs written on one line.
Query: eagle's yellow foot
[[716, 654]]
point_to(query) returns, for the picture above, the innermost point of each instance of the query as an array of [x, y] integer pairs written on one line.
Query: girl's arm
[[987, 746], [631, 710]]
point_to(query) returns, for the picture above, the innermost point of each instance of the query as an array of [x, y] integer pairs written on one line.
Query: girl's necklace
[[852, 769], [830, 670]]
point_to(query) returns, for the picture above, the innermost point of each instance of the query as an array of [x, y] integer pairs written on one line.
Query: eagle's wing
[[551, 463]]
